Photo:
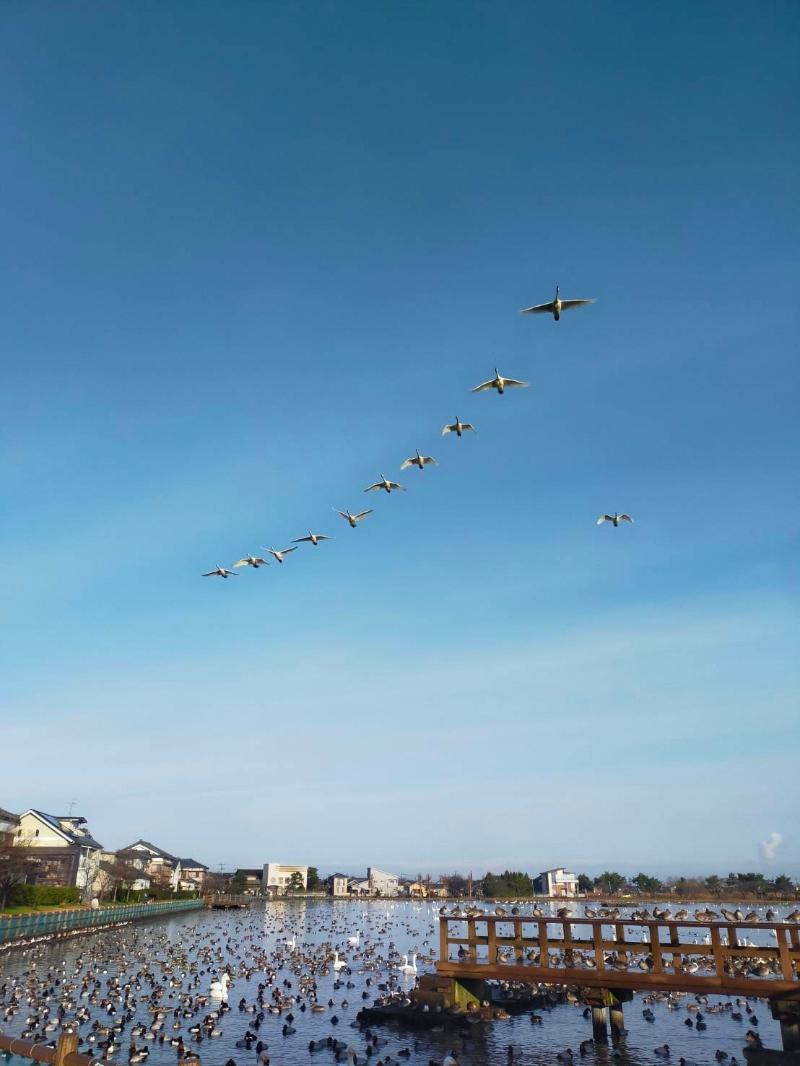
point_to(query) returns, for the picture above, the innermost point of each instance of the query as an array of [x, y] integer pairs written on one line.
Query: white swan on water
[[292, 944], [354, 941], [409, 967], [219, 989], [338, 964]]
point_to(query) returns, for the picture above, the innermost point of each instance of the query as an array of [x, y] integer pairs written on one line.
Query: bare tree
[[119, 873], [16, 866]]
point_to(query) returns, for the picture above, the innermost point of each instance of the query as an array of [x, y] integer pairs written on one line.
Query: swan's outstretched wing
[[212, 573], [512, 382], [491, 384], [361, 514], [408, 463], [605, 518], [539, 309], [242, 562], [469, 426], [428, 460], [285, 551], [300, 540], [372, 488], [625, 518], [392, 486], [567, 305]]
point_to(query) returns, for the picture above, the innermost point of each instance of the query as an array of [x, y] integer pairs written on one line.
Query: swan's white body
[[555, 306], [409, 967], [354, 941], [220, 571], [252, 560], [419, 461], [279, 555], [385, 484], [312, 538], [458, 427], [219, 989], [500, 383], [338, 964], [354, 519]]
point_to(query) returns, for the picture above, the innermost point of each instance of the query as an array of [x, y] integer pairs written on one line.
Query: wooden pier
[[612, 957], [226, 901]]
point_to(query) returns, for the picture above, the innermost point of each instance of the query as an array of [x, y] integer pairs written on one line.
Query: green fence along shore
[[25, 927]]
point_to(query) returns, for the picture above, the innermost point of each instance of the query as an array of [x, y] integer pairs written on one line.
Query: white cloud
[[767, 848]]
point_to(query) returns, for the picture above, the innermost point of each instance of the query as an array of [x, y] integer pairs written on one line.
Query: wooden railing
[[624, 953], [65, 1052]]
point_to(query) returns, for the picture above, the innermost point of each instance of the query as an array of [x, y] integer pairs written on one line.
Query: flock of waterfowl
[[498, 383], [285, 985]]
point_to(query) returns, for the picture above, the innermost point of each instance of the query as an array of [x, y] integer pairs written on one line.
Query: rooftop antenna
[[72, 803]]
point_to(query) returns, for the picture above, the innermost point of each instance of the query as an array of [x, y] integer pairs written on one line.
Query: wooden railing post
[[473, 947], [67, 1044], [716, 949], [544, 949], [655, 948], [491, 937], [444, 948], [784, 956]]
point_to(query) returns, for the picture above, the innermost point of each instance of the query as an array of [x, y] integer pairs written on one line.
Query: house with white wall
[[381, 883], [558, 882], [63, 849], [161, 867], [277, 877]]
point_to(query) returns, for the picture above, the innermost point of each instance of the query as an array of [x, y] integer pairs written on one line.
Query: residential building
[[65, 852], [9, 824], [252, 880], [381, 883], [277, 877], [339, 885], [162, 868], [558, 882], [192, 876]]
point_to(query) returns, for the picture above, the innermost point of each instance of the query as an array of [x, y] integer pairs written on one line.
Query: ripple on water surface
[[187, 952]]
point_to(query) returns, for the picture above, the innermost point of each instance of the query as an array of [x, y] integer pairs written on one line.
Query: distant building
[[338, 885], [558, 882], [162, 868], [277, 877], [381, 883], [192, 875], [66, 853], [9, 824], [251, 879]]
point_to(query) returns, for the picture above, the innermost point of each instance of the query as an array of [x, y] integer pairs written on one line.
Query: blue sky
[[254, 255]]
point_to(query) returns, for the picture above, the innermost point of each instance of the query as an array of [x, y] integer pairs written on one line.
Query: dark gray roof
[[84, 840], [192, 864], [159, 851], [7, 816]]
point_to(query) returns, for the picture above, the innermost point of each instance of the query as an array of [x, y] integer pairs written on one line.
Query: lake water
[[185, 953]]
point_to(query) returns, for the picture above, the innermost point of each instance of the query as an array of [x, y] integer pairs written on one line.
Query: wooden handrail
[[63, 1054], [664, 962]]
